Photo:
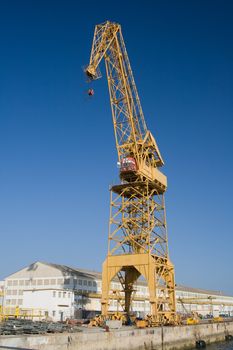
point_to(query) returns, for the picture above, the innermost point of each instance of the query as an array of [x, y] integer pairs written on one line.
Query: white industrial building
[[62, 292], [58, 304]]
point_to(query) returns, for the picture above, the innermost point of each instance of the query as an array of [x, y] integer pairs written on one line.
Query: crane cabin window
[[128, 164]]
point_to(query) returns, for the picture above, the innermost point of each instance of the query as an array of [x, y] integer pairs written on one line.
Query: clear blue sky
[[57, 150]]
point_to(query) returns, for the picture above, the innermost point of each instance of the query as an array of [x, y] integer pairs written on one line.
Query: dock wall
[[160, 338]]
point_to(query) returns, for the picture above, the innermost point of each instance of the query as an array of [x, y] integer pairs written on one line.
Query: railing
[[22, 313]]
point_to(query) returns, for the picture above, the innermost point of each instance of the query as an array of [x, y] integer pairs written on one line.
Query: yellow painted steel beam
[[185, 301]]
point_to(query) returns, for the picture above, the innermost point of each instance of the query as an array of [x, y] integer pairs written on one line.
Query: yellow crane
[[137, 239]]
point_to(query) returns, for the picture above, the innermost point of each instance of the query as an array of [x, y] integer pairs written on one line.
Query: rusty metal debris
[[16, 327]]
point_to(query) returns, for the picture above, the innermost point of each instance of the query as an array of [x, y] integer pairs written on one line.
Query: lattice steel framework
[[137, 240]]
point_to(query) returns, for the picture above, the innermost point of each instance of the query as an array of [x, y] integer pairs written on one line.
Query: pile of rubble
[[17, 326]]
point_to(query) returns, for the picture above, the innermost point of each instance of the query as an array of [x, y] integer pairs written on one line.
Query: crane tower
[[137, 238]]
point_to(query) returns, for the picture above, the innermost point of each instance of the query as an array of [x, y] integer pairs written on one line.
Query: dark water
[[221, 346]]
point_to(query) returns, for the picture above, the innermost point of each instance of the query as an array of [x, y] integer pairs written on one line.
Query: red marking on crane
[[90, 92]]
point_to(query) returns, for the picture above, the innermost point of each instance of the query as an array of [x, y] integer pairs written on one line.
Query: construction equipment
[[142, 323], [137, 239], [97, 321], [217, 319], [193, 320], [208, 300]]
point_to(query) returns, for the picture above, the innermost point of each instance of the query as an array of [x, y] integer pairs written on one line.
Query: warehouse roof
[[73, 271]]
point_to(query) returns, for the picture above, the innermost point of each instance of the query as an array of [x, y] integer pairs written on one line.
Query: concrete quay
[[159, 338]]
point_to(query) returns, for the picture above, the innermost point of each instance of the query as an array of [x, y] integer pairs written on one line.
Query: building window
[[14, 292], [20, 301], [20, 292], [15, 283], [13, 302], [8, 292], [9, 283], [54, 294], [64, 294], [67, 281], [21, 282], [39, 282], [46, 282], [60, 281], [89, 283], [33, 282], [80, 282], [26, 282], [68, 295], [59, 294], [8, 301], [52, 281], [85, 283], [94, 283], [54, 313]]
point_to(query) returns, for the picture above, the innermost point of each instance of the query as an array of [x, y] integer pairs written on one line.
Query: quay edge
[[159, 338]]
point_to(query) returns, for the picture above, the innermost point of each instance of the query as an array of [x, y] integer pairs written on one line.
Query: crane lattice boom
[[132, 135]]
